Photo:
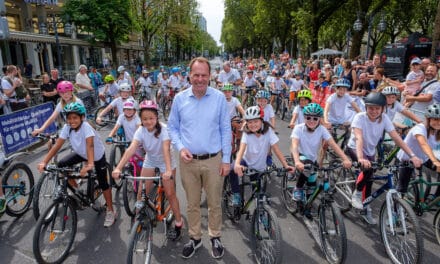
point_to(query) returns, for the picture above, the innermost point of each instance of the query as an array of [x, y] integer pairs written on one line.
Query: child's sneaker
[[298, 194]]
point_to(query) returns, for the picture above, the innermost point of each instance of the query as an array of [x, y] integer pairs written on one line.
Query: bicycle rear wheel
[[55, 233], [266, 235], [287, 186], [405, 244], [227, 205], [19, 195], [140, 244], [129, 195], [43, 194], [343, 184], [332, 233], [437, 225]]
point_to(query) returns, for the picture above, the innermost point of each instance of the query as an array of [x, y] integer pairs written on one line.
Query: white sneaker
[[368, 216], [110, 218], [356, 200]]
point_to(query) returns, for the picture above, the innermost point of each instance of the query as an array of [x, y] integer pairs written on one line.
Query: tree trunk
[[355, 49], [114, 54], [436, 33]]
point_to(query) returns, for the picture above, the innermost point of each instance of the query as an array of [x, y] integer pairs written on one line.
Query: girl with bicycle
[[111, 89], [87, 146], [129, 121], [393, 106], [65, 90], [153, 137], [367, 130], [125, 94], [304, 98], [263, 98], [257, 141], [306, 144], [424, 140]]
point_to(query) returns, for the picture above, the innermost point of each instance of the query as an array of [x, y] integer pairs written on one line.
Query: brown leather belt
[[204, 156]]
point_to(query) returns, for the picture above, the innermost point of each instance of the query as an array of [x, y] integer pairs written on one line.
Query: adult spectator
[[82, 80], [28, 69], [55, 79], [349, 73], [200, 129], [428, 92], [96, 79], [229, 75], [124, 76], [425, 63], [14, 90], [49, 90], [376, 63]]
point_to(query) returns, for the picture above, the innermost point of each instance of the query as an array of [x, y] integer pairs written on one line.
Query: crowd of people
[[322, 94]]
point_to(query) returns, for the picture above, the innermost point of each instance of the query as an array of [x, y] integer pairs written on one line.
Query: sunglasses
[[314, 118]]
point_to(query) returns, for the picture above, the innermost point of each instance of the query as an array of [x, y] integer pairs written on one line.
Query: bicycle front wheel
[[19, 193], [227, 205], [266, 235], [54, 233], [129, 195], [332, 233], [116, 154], [140, 242], [437, 225], [287, 186], [403, 244], [43, 194]]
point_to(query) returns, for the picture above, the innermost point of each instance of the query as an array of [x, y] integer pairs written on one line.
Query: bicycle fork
[[391, 216]]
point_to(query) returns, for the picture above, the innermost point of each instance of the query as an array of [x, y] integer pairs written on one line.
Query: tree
[[109, 21], [436, 33]]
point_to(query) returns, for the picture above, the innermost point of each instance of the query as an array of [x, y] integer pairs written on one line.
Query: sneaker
[[236, 199], [2, 205], [190, 248], [110, 218], [176, 233], [217, 248], [356, 200], [298, 194], [368, 216]]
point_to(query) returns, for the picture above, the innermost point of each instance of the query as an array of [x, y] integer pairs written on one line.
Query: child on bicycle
[[249, 84], [296, 85], [144, 83], [276, 87], [125, 94], [424, 140], [257, 141], [304, 98], [306, 143], [394, 106], [164, 86], [129, 121], [233, 104], [87, 146], [153, 137], [367, 130], [263, 98], [111, 88], [65, 90]]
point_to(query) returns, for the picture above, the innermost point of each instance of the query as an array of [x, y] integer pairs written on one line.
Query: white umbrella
[[327, 52]]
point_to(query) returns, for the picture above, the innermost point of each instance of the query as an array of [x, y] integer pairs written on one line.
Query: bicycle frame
[[420, 203]]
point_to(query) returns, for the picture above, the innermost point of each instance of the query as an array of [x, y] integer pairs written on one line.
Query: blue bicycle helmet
[[343, 83], [74, 107], [175, 69], [313, 109], [263, 94]]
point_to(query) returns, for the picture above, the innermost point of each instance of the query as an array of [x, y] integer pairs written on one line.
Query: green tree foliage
[[109, 21]]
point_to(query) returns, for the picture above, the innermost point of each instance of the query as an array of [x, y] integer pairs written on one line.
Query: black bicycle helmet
[[375, 99]]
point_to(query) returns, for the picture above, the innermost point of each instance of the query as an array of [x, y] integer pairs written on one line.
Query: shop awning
[[40, 38]]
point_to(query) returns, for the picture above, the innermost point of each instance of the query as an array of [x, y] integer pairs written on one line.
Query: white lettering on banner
[[393, 60], [42, 2]]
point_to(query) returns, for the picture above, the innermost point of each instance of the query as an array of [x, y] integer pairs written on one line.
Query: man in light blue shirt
[[200, 129]]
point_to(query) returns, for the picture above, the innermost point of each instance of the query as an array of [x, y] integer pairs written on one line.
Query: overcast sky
[[213, 11]]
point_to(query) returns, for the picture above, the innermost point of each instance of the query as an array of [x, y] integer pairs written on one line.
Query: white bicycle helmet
[[390, 90], [433, 111], [253, 112], [121, 68], [125, 87]]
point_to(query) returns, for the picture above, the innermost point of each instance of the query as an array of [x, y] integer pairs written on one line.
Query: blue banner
[[16, 128]]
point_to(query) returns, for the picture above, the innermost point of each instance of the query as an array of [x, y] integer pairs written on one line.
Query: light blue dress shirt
[[201, 125]]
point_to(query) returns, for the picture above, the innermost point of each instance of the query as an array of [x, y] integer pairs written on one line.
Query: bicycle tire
[[116, 154], [227, 196], [413, 193], [18, 174], [337, 185], [129, 195], [333, 235], [266, 235], [62, 223], [43, 193], [436, 224], [402, 217], [140, 244], [109, 116], [287, 186]]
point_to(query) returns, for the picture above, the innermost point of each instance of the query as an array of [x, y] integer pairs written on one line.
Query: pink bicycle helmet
[[129, 104], [64, 86], [148, 104]]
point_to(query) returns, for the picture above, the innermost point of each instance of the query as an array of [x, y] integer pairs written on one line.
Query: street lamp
[[357, 26], [43, 29]]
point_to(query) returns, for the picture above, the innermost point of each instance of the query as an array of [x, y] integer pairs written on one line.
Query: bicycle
[[399, 228], [250, 92], [340, 138], [165, 103], [55, 230], [119, 144], [130, 188], [332, 233], [150, 211], [436, 223], [236, 124], [17, 185], [286, 113], [110, 117], [266, 233]]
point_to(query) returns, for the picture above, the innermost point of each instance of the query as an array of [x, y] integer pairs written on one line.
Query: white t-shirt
[[268, 112], [60, 110], [145, 84], [151, 144], [119, 103], [229, 77], [84, 80], [250, 82], [257, 148], [78, 140], [420, 107], [175, 82], [337, 114], [232, 106], [278, 85], [413, 144], [300, 117], [130, 126], [391, 111], [295, 85], [372, 132], [310, 141]]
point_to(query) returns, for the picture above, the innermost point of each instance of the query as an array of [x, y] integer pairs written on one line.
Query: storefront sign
[[42, 2]]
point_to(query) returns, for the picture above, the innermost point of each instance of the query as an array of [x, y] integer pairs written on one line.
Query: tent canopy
[[327, 52]]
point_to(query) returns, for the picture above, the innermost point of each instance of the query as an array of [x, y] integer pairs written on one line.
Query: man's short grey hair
[[226, 63]]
